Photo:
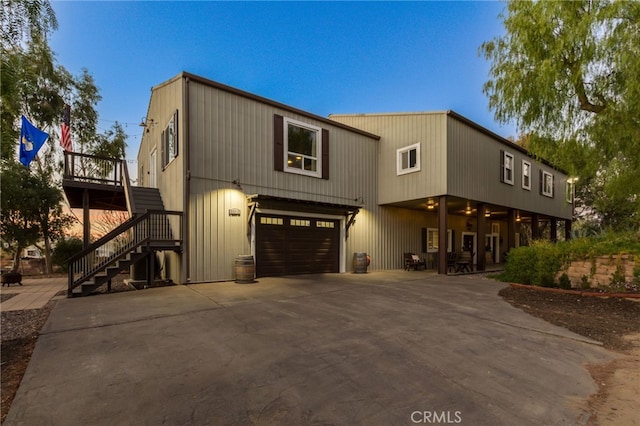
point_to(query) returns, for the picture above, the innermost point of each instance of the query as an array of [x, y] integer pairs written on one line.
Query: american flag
[[65, 130]]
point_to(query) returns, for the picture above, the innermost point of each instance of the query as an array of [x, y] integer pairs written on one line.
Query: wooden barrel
[[360, 263], [245, 269]]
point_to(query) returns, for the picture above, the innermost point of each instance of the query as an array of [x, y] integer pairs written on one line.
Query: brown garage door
[[291, 245]]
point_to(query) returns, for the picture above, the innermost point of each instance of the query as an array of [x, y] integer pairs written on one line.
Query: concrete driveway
[[384, 348]]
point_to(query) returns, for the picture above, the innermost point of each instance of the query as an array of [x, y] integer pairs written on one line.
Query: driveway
[[384, 348]]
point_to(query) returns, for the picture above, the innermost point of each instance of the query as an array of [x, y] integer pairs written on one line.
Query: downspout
[[186, 276]]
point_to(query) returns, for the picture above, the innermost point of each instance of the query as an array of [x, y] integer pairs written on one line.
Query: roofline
[[468, 122], [242, 93]]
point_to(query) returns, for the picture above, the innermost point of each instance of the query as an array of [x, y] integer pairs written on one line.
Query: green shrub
[[564, 281], [64, 250], [585, 284]]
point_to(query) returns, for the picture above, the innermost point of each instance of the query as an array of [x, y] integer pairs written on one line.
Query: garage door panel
[[296, 245]]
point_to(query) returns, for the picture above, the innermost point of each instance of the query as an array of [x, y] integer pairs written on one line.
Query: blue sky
[[324, 57]]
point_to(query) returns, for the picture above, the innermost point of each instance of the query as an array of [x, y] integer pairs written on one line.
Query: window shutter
[[453, 240], [553, 186], [541, 182], [325, 154], [501, 165], [175, 134], [163, 148], [278, 142], [424, 239]]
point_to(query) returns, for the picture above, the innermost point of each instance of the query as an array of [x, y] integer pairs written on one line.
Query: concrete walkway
[[33, 294], [385, 348]]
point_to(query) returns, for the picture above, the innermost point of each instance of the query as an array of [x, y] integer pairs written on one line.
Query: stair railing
[[153, 228]]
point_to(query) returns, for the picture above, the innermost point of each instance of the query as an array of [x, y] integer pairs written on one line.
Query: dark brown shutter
[[325, 154], [175, 133], [541, 182], [501, 165], [163, 148], [553, 186], [278, 142], [423, 234]]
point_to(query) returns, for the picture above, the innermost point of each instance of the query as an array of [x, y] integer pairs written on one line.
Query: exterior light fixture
[[487, 213]]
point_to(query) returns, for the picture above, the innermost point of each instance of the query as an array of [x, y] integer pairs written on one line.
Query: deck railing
[[153, 229], [93, 169]]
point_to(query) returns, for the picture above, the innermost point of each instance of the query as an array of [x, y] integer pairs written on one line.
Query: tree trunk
[[16, 259], [48, 267]]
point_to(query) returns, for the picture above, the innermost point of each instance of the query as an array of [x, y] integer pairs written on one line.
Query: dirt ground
[[613, 321]]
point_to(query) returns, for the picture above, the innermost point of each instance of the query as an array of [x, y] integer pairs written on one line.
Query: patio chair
[[452, 258], [412, 261]]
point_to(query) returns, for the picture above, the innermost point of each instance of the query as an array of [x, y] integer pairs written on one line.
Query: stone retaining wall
[[600, 270]]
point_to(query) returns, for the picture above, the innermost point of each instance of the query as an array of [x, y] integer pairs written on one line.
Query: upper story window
[[546, 184], [302, 148], [570, 190], [506, 165], [526, 175], [408, 159], [170, 141]]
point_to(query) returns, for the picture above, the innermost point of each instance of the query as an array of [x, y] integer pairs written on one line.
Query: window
[[506, 163], [300, 222], [546, 184], [302, 148], [271, 220], [170, 141], [526, 175], [325, 224], [408, 159], [432, 240], [569, 191]]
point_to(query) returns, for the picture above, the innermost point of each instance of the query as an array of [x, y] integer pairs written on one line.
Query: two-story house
[[302, 193]]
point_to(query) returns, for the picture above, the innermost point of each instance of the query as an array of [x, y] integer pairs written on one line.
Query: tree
[[567, 74]]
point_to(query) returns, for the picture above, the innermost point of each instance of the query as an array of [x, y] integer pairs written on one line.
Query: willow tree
[[568, 75]]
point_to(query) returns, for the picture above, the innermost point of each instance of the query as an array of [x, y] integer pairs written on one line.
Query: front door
[[469, 243]]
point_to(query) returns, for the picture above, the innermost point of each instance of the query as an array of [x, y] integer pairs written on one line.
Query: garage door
[[291, 245]]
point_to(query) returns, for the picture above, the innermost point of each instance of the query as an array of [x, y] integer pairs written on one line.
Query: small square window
[[303, 148], [408, 159], [506, 161], [526, 175]]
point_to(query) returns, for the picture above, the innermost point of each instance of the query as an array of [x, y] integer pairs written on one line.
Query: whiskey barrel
[[245, 269]]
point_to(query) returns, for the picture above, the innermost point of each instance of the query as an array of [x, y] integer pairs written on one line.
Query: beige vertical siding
[[165, 100], [231, 138], [474, 173], [399, 131]]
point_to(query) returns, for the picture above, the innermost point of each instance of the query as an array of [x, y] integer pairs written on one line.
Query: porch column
[[481, 220], [86, 223], [554, 230], [567, 229], [511, 229], [442, 235], [535, 226]]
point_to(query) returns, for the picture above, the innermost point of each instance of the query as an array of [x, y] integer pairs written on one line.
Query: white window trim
[[569, 192], [432, 231], [318, 172], [544, 181], [524, 186], [400, 151], [504, 170]]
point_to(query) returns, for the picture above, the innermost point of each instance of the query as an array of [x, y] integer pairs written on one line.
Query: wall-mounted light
[[146, 122], [236, 182], [360, 201]]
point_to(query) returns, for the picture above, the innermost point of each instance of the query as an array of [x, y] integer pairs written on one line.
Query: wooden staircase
[[150, 228]]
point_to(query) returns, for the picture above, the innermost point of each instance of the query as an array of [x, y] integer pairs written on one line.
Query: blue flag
[[31, 140]]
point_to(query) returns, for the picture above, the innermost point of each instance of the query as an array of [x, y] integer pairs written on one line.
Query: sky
[[321, 57]]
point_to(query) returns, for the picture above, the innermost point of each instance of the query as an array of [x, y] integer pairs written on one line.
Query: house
[[224, 173], [303, 193]]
